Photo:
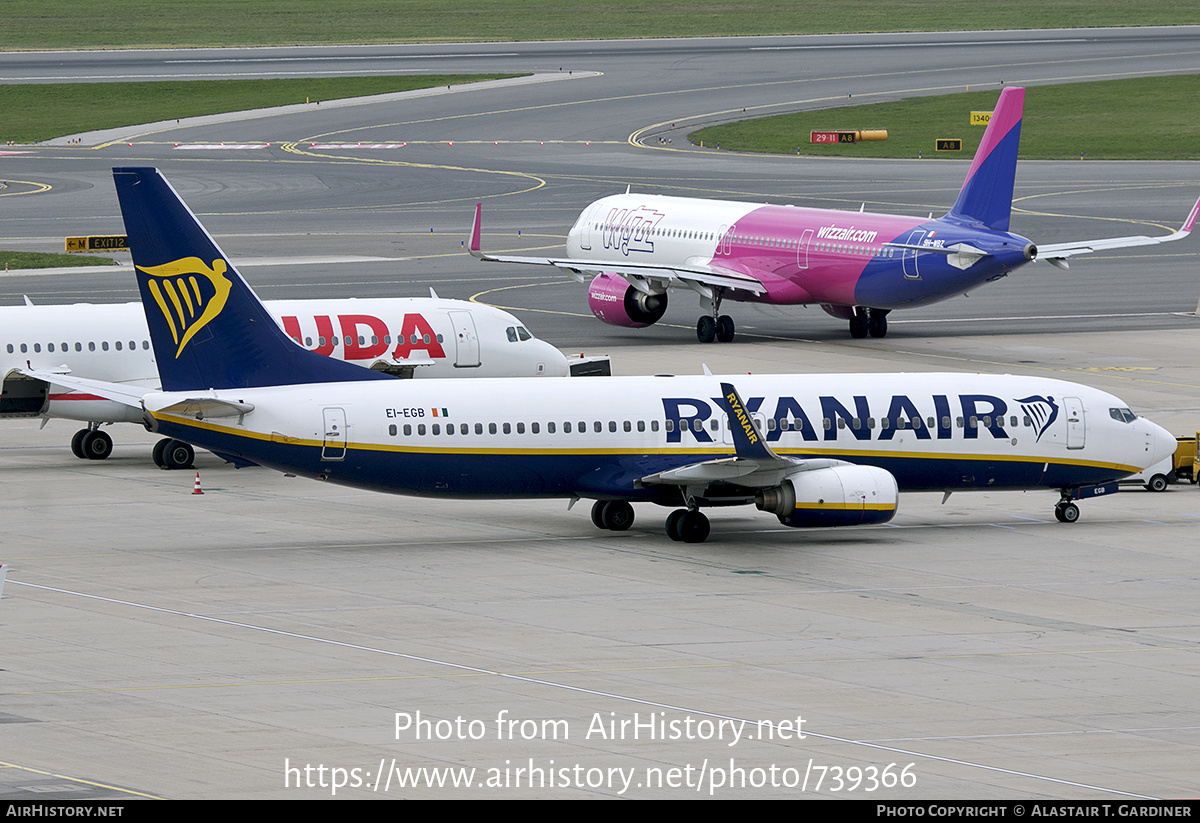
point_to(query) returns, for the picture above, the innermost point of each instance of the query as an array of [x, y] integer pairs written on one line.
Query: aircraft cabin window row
[[362, 340], [757, 240], [714, 424], [103, 345]]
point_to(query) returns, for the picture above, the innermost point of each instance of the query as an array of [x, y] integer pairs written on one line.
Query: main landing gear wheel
[[858, 325], [173, 454], [1066, 512], [95, 445], [709, 329], [687, 526], [613, 515], [77, 443], [725, 328], [877, 322]]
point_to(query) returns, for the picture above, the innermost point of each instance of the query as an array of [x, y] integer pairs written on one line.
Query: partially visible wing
[[198, 407], [754, 465], [204, 407], [703, 273], [1056, 254], [128, 395]]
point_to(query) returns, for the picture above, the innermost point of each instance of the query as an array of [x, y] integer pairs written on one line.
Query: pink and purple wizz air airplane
[[857, 266]]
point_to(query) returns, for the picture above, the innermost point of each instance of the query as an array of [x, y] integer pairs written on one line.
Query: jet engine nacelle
[[617, 303], [844, 495]]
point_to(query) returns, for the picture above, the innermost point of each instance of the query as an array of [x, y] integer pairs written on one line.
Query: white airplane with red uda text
[[856, 266], [409, 337]]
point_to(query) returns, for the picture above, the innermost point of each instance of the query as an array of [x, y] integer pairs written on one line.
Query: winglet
[[1186, 229], [473, 246], [3, 573], [748, 443]]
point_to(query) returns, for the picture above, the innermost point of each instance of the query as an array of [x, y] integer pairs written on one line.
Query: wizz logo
[[629, 230], [190, 295], [1043, 411]]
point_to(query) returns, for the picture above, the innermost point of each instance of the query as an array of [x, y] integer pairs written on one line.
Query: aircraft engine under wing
[[800, 492]]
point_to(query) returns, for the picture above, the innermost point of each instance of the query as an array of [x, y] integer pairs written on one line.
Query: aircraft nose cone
[[1163, 444], [1159, 444], [554, 360]]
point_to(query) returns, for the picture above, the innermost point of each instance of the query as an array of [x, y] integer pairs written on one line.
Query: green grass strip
[[42, 111], [13, 260], [1152, 118], [68, 24]]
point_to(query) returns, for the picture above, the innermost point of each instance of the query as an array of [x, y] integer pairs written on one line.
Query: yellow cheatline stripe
[[717, 450]]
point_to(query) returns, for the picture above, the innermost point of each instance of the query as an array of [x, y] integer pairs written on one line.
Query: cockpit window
[[512, 334], [524, 335], [1123, 415]]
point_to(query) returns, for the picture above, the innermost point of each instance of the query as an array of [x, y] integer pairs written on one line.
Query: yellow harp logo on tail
[[189, 294]]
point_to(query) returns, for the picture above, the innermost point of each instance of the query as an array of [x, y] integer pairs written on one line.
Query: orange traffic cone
[[197, 489]]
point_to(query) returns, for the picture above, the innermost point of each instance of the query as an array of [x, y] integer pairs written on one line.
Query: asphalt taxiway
[[249, 641]]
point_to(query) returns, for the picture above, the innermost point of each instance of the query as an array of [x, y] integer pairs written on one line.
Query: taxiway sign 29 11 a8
[[857, 266], [812, 450]]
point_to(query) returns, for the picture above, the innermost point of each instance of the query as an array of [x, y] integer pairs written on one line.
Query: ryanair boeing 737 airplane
[[813, 450]]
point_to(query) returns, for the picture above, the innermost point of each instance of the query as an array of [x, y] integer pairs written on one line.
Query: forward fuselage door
[[466, 341], [1075, 422], [585, 227], [802, 249], [334, 444]]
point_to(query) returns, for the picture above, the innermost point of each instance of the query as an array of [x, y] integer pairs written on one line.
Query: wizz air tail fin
[[208, 328], [987, 193]]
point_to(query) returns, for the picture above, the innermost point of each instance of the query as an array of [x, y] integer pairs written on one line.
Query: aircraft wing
[[199, 407], [701, 273], [754, 465], [1057, 254], [128, 395]]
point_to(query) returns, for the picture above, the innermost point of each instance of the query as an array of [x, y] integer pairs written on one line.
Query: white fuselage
[[440, 338], [598, 438]]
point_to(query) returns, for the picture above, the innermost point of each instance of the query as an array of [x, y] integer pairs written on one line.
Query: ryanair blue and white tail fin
[[987, 193], [208, 328]]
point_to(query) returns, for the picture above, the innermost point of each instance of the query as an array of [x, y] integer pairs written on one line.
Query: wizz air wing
[[636, 273], [1057, 254]]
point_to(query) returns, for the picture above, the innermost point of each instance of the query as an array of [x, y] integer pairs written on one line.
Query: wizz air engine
[[843, 495], [617, 303]]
